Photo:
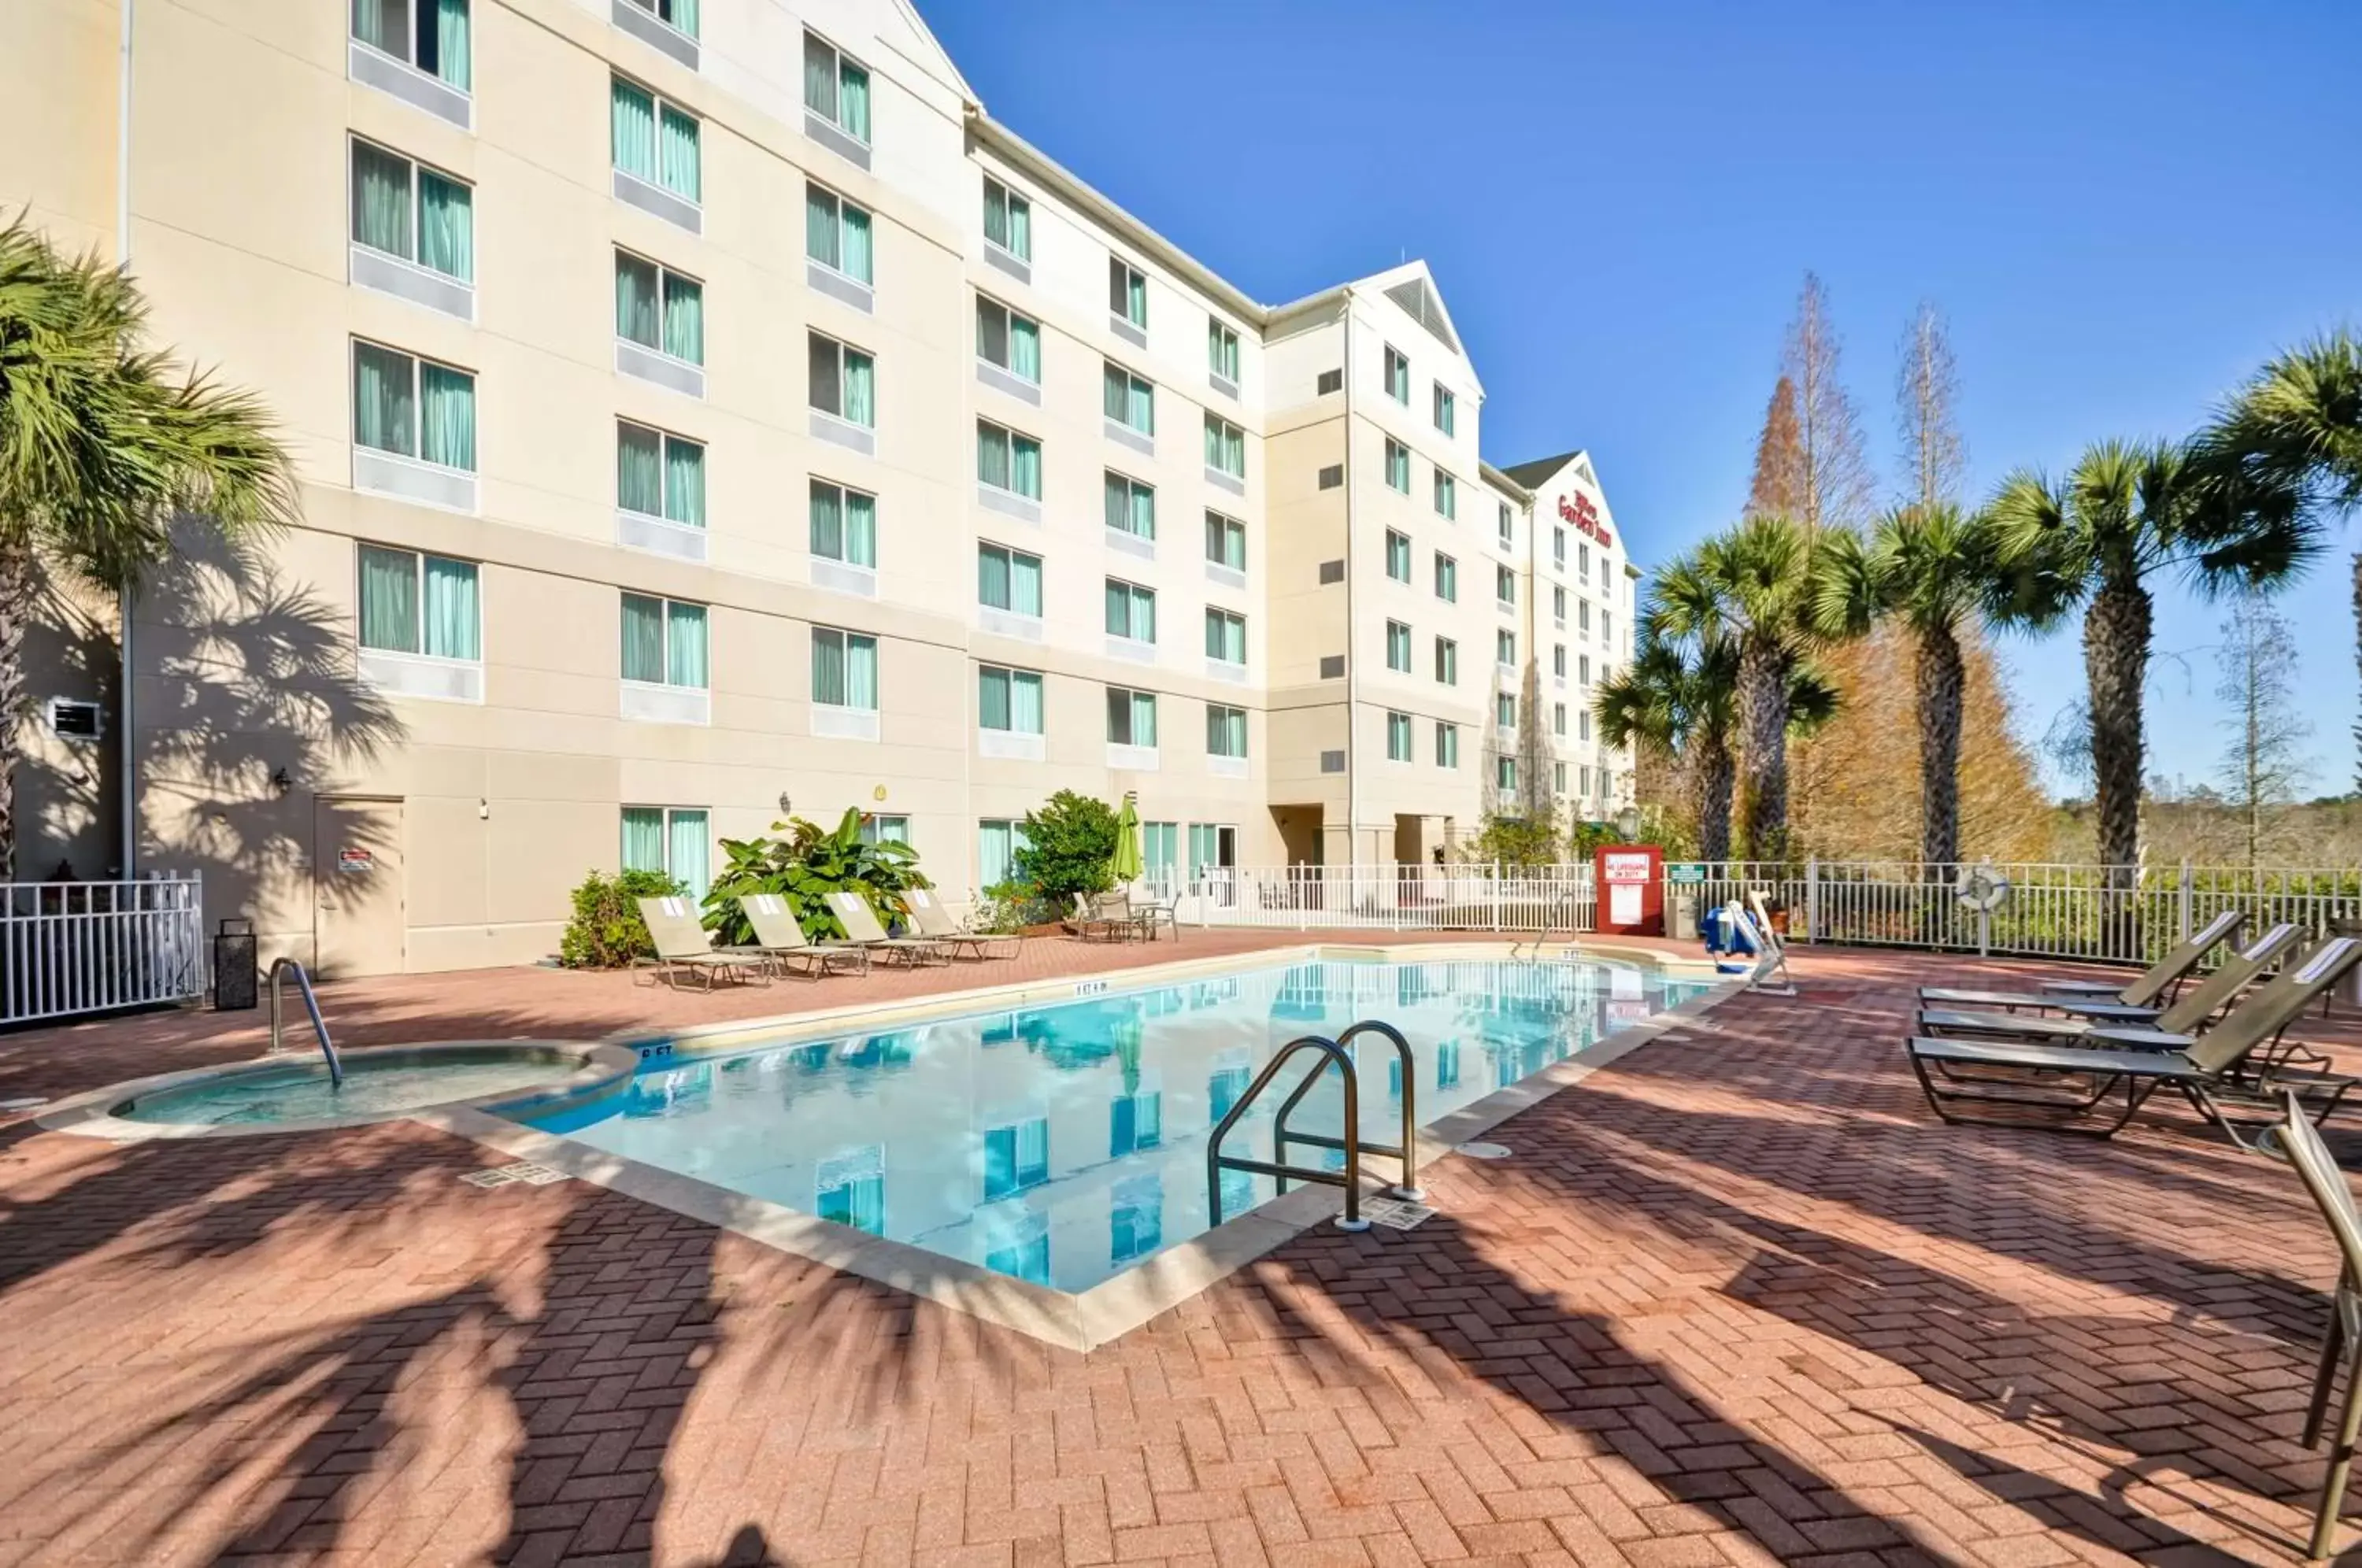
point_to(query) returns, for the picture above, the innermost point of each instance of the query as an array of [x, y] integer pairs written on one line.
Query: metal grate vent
[[1332, 571], [1333, 666], [1419, 301], [1332, 762], [1332, 476], [1330, 382]]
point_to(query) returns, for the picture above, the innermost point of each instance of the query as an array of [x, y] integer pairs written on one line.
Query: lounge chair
[[1769, 975], [2146, 993], [2211, 1070], [861, 927], [683, 947], [935, 924], [2296, 1141], [779, 937], [2190, 1011]]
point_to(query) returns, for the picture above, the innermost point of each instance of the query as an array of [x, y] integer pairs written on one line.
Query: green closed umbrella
[[1125, 864]]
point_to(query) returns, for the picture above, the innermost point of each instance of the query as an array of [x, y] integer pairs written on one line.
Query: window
[[1447, 745], [1130, 610], [1137, 1120], [845, 669], [654, 142], [1446, 414], [1584, 775], [1557, 607], [1397, 466], [849, 1188], [1011, 341], [663, 642], [1558, 548], [836, 90], [1397, 368], [1128, 400], [413, 408], [1006, 460], [1557, 778], [659, 475], [1130, 506], [1447, 661], [1007, 220], [671, 839], [1160, 848], [1016, 1157], [407, 210], [678, 14], [1221, 352], [1226, 447], [1226, 731], [1009, 700], [1447, 495], [431, 34], [877, 829], [1583, 561], [1558, 660], [1397, 556], [1583, 617], [1583, 719], [411, 604], [1009, 579], [836, 234], [1585, 664], [1132, 717], [658, 308], [1127, 291], [998, 839], [1509, 527], [1397, 737], [1505, 649], [843, 524], [1226, 635], [1505, 585], [1558, 718], [1505, 711], [1504, 772], [1447, 578], [1226, 541], [1398, 647], [843, 382], [1606, 625]]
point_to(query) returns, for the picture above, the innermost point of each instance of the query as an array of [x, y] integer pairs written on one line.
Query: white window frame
[[1396, 537], [1398, 631], [1397, 373], [841, 202], [843, 348], [848, 638], [1009, 315], [1008, 197]]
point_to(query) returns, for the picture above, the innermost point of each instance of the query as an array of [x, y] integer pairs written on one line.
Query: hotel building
[[706, 411]]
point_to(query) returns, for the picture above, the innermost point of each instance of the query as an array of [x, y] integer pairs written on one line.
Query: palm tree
[[1938, 571], [2124, 512], [1754, 591], [102, 447]]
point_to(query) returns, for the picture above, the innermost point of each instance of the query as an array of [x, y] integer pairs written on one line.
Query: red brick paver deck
[[1737, 1297]]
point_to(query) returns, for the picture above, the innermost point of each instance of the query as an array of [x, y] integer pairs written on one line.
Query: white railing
[[67, 948], [1392, 898]]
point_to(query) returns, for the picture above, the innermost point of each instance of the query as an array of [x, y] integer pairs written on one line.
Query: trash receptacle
[[236, 982], [1684, 924]]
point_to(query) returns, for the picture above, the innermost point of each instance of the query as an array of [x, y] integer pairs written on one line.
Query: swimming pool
[[1063, 1143]]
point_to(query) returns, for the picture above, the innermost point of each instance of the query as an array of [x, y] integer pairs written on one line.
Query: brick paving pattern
[[1737, 1298]]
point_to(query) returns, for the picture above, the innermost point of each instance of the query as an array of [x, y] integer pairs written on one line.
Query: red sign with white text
[[1629, 878], [1578, 510]]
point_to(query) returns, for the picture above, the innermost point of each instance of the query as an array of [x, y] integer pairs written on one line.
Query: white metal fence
[[78, 947], [1392, 898]]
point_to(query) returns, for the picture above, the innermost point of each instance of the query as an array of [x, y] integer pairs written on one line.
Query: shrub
[[606, 931], [1068, 842], [1007, 907], [804, 866], [1517, 841]]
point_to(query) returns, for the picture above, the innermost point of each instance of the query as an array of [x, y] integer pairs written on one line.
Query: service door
[[357, 886]]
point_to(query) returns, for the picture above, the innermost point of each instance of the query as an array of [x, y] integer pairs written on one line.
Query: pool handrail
[[1405, 1152], [279, 971], [1351, 1181], [1564, 900]]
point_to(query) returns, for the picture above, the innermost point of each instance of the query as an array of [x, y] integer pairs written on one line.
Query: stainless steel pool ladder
[[279, 972], [1564, 902], [1352, 1144]]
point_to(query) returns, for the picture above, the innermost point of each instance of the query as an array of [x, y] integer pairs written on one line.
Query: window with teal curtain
[[1025, 584], [861, 673], [682, 14], [637, 307], [1113, 387], [643, 639], [446, 226], [819, 78], [381, 201], [1118, 502], [993, 584], [856, 263], [1025, 465], [1160, 848], [446, 422], [684, 319], [1447, 496], [860, 529], [992, 457], [828, 667], [852, 100], [1397, 466], [820, 226], [1234, 732], [385, 410], [1025, 348], [644, 838], [1025, 703], [1021, 227], [997, 846], [1139, 408], [389, 607], [991, 698], [1226, 446], [684, 497], [1226, 637], [639, 469], [1398, 737], [685, 645], [827, 521], [453, 618], [1136, 298], [860, 389], [1144, 718], [689, 851], [452, 54], [677, 153], [1016, 1156], [383, 25], [633, 119]]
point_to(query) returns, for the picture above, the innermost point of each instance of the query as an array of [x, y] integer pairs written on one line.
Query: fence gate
[[67, 948]]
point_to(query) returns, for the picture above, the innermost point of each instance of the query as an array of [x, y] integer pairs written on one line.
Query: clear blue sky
[[2123, 207]]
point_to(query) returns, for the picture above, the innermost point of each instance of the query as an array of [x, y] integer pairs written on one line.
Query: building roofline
[[1499, 480]]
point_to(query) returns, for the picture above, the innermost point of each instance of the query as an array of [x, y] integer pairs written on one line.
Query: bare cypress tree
[[1778, 489], [1833, 486], [2264, 764], [1927, 387]]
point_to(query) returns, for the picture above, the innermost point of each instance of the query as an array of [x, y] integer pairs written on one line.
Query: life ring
[[1979, 887]]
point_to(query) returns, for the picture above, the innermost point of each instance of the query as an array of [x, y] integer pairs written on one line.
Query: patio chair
[[2295, 1140], [862, 929], [683, 947], [2189, 1012], [780, 937], [935, 923], [2210, 1070], [1116, 909], [1087, 923], [1165, 911], [2161, 980]]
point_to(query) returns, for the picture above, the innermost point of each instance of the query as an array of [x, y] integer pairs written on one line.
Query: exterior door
[[357, 895]]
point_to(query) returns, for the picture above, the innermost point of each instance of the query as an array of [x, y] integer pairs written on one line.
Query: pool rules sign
[[1630, 880]]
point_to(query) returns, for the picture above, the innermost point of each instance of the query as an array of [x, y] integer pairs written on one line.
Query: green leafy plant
[[1068, 842], [605, 931], [805, 864], [1517, 841], [1005, 908]]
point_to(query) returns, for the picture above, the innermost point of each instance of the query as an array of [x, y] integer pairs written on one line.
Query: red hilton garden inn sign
[[1577, 509]]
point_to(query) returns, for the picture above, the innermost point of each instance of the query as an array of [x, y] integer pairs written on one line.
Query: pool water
[[1063, 1144], [299, 1091]]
